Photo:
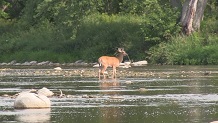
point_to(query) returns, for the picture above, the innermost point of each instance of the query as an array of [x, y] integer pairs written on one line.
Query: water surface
[[167, 94]]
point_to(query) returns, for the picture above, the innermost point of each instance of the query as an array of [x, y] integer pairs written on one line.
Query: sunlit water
[[174, 94]]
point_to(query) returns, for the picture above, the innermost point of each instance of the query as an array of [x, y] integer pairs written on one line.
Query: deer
[[109, 61]]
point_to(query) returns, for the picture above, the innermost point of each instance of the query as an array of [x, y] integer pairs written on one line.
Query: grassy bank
[[198, 49]]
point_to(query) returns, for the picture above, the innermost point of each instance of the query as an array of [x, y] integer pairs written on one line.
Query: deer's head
[[121, 50]]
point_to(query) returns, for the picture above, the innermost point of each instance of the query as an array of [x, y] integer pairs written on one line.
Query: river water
[[167, 94]]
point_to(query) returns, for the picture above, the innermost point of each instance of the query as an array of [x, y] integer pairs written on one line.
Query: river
[[149, 94]]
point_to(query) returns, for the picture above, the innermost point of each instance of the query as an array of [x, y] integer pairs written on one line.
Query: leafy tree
[[11, 9], [4, 6]]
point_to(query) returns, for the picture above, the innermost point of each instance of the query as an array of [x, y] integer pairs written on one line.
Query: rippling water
[[172, 94]]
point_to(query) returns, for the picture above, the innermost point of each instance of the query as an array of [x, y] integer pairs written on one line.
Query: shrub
[[193, 50]]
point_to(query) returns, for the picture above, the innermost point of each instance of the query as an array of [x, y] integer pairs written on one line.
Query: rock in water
[[45, 91], [27, 100]]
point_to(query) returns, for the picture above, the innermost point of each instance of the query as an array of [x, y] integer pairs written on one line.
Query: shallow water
[[171, 94]]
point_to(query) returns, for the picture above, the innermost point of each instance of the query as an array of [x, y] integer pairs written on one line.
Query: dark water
[[172, 94]]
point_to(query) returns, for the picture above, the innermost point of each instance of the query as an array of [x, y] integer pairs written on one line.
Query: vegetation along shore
[[159, 31]]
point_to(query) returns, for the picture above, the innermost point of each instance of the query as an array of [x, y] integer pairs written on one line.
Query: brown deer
[[105, 61]]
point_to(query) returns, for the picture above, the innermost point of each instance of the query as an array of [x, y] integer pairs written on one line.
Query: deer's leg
[[99, 72], [103, 70], [114, 72]]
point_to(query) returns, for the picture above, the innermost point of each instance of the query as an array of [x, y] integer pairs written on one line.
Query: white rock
[[125, 65], [27, 100], [214, 122], [116, 97], [26, 63], [4, 63], [58, 68], [33, 62], [140, 63], [45, 91], [96, 65], [44, 63], [128, 82]]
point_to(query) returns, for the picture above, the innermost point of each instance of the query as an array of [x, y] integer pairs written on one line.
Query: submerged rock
[[116, 97], [143, 89]]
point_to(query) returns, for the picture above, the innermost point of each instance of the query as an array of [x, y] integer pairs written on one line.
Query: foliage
[[197, 49], [65, 31], [100, 34], [11, 9]]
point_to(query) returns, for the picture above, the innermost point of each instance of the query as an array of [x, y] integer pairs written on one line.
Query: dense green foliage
[[199, 48], [65, 31]]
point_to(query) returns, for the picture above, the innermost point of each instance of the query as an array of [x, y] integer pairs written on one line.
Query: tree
[[3, 6], [192, 15], [10, 9]]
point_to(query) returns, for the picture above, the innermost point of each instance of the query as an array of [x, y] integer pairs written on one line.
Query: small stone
[[142, 89], [58, 68], [128, 82], [116, 97], [85, 96], [5, 95]]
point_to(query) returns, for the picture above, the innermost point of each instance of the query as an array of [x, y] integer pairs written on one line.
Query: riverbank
[[88, 71], [80, 63]]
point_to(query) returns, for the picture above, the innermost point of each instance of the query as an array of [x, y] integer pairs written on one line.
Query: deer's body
[[114, 62]]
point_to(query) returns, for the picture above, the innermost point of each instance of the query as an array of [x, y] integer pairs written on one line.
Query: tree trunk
[[192, 14], [199, 14], [188, 13]]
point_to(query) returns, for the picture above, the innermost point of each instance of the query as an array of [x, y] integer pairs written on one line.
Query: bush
[[197, 49], [101, 34]]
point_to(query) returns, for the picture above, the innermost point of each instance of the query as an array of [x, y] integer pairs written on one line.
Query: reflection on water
[[110, 115], [172, 94], [110, 84], [33, 115]]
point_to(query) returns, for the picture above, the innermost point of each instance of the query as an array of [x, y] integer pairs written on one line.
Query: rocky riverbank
[[71, 72], [76, 69], [45, 63], [77, 63]]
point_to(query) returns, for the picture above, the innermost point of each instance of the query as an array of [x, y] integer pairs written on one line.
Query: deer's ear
[[119, 49]]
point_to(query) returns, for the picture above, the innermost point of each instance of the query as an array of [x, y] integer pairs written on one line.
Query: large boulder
[[31, 100]]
